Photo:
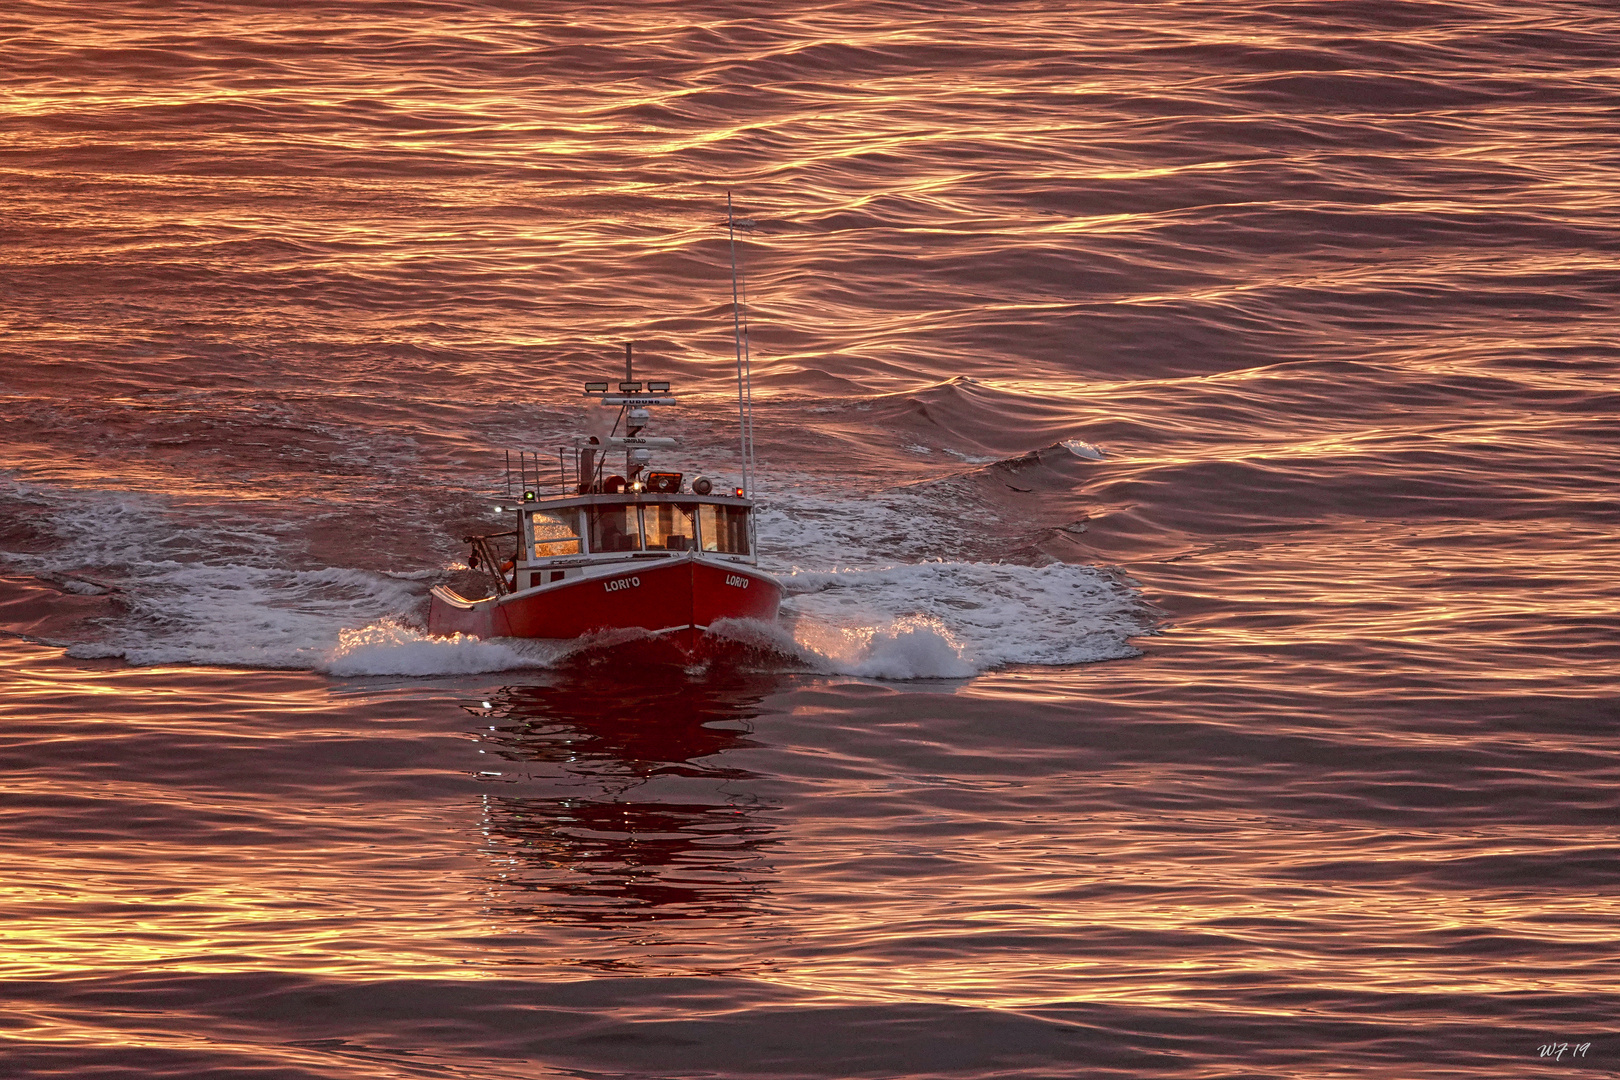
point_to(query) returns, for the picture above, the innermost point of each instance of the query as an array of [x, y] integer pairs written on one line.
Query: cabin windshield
[[614, 528], [669, 527], [554, 532], [725, 528]]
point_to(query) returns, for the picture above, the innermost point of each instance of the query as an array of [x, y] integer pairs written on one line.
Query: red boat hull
[[676, 599]]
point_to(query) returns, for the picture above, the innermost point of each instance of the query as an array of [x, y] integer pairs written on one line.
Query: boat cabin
[[645, 523], [562, 538], [596, 522]]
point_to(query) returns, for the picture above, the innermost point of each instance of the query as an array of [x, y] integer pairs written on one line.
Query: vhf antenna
[[745, 374]]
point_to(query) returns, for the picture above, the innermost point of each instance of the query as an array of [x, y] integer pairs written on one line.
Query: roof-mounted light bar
[[630, 393]]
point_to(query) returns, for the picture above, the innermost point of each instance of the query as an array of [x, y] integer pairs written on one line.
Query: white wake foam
[[389, 647], [205, 587], [908, 648], [949, 620], [806, 529], [912, 647], [238, 615]]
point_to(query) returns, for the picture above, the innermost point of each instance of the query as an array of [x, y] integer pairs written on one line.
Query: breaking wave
[[389, 647], [949, 620]]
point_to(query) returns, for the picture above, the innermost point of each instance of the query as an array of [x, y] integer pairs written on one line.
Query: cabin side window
[[614, 528], [553, 533], [669, 527], [725, 528]]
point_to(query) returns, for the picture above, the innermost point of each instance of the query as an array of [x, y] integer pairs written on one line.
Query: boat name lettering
[[738, 580], [621, 583]]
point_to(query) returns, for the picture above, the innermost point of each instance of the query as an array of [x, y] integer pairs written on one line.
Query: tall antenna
[[745, 380], [748, 367]]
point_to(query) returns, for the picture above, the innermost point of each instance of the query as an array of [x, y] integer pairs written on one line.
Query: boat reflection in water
[[642, 821]]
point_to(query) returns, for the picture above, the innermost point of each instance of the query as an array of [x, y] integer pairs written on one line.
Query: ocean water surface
[[1186, 432]]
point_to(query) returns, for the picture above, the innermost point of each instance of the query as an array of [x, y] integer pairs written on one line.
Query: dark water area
[[1186, 435]]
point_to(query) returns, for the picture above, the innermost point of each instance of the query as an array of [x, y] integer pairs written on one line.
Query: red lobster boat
[[625, 556], [642, 552]]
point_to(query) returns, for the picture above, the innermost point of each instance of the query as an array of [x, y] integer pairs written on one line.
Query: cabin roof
[[556, 502]]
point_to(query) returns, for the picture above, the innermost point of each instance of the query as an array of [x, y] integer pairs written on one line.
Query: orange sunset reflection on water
[[618, 863], [1186, 444]]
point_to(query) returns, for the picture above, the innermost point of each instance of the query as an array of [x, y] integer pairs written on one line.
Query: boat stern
[[450, 613]]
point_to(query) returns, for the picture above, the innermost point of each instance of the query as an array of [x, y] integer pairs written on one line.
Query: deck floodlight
[[664, 483], [658, 388], [626, 387], [596, 388]]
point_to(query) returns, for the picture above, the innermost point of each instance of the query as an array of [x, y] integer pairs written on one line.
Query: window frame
[[593, 515], [687, 510], [531, 545], [720, 512]]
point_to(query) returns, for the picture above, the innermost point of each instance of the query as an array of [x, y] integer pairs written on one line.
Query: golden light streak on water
[[1327, 285]]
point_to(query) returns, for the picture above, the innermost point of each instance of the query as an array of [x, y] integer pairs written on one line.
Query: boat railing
[[538, 475]]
